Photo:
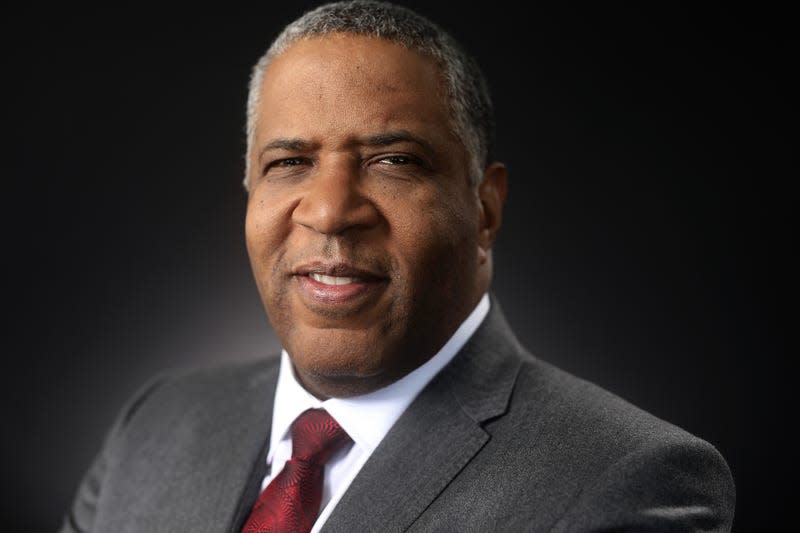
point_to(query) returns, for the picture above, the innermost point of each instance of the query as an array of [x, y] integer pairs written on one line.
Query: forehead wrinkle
[[385, 112]]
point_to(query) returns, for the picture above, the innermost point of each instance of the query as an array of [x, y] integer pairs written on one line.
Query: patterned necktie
[[291, 501]]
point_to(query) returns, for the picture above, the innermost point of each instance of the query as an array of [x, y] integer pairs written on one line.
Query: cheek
[[435, 239], [265, 230]]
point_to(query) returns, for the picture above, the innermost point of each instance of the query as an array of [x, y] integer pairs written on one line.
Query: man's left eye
[[396, 160]]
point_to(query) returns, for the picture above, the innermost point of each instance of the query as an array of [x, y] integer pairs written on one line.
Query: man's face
[[366, 240]]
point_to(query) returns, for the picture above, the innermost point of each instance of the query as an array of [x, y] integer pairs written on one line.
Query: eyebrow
[[291, 145], [395, 137], [381, 139]]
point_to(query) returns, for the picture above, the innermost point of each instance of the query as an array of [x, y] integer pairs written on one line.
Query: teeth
[[331, 280]]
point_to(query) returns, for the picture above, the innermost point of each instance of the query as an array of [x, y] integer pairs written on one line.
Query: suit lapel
[[436, 437], [225, 458], [265, 384]]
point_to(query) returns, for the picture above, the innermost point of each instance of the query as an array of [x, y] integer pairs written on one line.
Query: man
[[373, 205]]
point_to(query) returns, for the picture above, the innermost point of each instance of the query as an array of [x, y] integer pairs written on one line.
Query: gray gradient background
[[643, 246]]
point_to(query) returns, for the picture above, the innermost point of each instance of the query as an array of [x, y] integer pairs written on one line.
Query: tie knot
[[316, 436]]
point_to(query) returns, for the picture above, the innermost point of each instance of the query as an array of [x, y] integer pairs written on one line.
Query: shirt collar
[[366, 418]]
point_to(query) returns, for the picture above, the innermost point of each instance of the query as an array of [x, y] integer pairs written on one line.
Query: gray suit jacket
[[498, 441]]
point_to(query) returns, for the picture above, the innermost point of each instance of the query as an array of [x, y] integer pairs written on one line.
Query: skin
[[356, 173]]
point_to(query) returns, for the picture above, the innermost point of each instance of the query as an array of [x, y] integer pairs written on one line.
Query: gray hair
[[469, 100]]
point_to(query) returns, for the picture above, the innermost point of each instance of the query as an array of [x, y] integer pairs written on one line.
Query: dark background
[[644, 244]]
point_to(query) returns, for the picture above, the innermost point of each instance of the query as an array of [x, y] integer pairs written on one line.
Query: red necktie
[[290, 503]]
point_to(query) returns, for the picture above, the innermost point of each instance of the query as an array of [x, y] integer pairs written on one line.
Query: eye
[[398, 160], [400, 166], [287, 163]]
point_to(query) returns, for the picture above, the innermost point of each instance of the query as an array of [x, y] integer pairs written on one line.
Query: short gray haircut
[[470, 103]]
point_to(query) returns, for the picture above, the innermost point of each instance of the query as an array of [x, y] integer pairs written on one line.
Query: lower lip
[[318, 293]]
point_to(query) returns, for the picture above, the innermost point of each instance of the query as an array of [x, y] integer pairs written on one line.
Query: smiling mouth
[[332, 280], [337, 273], [338, 287]]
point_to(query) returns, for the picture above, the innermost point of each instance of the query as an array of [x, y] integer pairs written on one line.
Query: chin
[[337, 354]]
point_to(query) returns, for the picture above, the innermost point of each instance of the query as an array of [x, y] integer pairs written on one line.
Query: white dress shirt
[[367, 418]]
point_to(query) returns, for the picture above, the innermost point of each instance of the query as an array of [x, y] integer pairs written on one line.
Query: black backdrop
[[643, 244]]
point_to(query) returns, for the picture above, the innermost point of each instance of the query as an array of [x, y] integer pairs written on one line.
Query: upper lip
[[336, 268]]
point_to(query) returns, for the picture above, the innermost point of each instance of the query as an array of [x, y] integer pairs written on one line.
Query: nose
[[333, 201]]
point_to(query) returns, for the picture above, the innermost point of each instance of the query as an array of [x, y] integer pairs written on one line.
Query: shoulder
[[583, 407], [180, 404], [163, 436], [181, 391], [597, 425], [616, 464], [543, 419]]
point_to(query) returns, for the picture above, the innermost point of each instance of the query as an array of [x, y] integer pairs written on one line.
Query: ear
[[491, 195]]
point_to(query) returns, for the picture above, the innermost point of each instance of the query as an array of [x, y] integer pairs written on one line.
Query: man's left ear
[[491, 195]]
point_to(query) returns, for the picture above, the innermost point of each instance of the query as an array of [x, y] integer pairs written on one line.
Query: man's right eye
[[288, 162], [284, 163]]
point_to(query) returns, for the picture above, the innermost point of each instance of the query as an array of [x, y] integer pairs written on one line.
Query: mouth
[[332, 280], [338, 287]]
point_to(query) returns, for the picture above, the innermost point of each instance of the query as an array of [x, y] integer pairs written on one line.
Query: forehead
[[350, 79], [371, 57]]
